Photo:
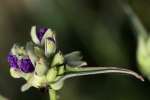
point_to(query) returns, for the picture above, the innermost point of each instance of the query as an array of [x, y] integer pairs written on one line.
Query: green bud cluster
[[49, 63]]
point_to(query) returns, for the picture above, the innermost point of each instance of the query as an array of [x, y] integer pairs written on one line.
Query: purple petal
[[40, 31], [12, 60], [26, 65]]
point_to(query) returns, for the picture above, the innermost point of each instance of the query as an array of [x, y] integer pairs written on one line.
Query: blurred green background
[[98, 28]]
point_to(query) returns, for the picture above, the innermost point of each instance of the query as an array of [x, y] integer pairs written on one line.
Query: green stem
[[135, 21], [52, 94], [83, 71]]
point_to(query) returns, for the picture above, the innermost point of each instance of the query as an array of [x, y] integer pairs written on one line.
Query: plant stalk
[[52, 94]]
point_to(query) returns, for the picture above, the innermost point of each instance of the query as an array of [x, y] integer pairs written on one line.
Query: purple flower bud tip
[[12, 60], [26, 65], [40, 31]]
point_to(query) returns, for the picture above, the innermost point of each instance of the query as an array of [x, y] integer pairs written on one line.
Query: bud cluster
[[39, 62]]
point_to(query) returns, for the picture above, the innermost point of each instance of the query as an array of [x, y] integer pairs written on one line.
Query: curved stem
[[81, 71], [52, 94], [134, 21], [100, 70]]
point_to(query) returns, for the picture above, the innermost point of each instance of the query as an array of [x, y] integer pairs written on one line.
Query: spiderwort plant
[[42, 65]]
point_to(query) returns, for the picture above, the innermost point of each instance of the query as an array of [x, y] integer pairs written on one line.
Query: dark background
[[98, 28]]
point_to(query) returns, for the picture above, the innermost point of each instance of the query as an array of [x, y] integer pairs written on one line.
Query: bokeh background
[[98, 28]]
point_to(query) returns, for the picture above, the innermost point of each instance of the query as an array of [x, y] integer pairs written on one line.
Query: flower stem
[[83, 71], [52, 94], [136, 23]]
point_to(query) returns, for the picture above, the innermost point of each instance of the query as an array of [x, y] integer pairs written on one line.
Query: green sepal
[[58, 59], [61, 70], [31, 52], [15, 73], [35, 81], [38, 81], [39, 51], [57, 86], [41, 67], [74, 59], [75, 55], [25, 87], [19, 51], [51, 74]]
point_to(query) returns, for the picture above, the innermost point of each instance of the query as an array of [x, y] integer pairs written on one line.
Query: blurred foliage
[[98, 28]]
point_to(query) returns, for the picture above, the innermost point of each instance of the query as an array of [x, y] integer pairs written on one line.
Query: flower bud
[[35, 81], [18, 51], [30, 49], [38, 81], [12, 60], [74, 59], [50, 46], [19, 59], [41, 67], [26, 65], [58, 59], [17, 73], [51, 74], [39, 34]]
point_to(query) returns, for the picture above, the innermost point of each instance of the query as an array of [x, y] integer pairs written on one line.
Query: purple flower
[[12, 60], [26, 65], [40, 31]]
